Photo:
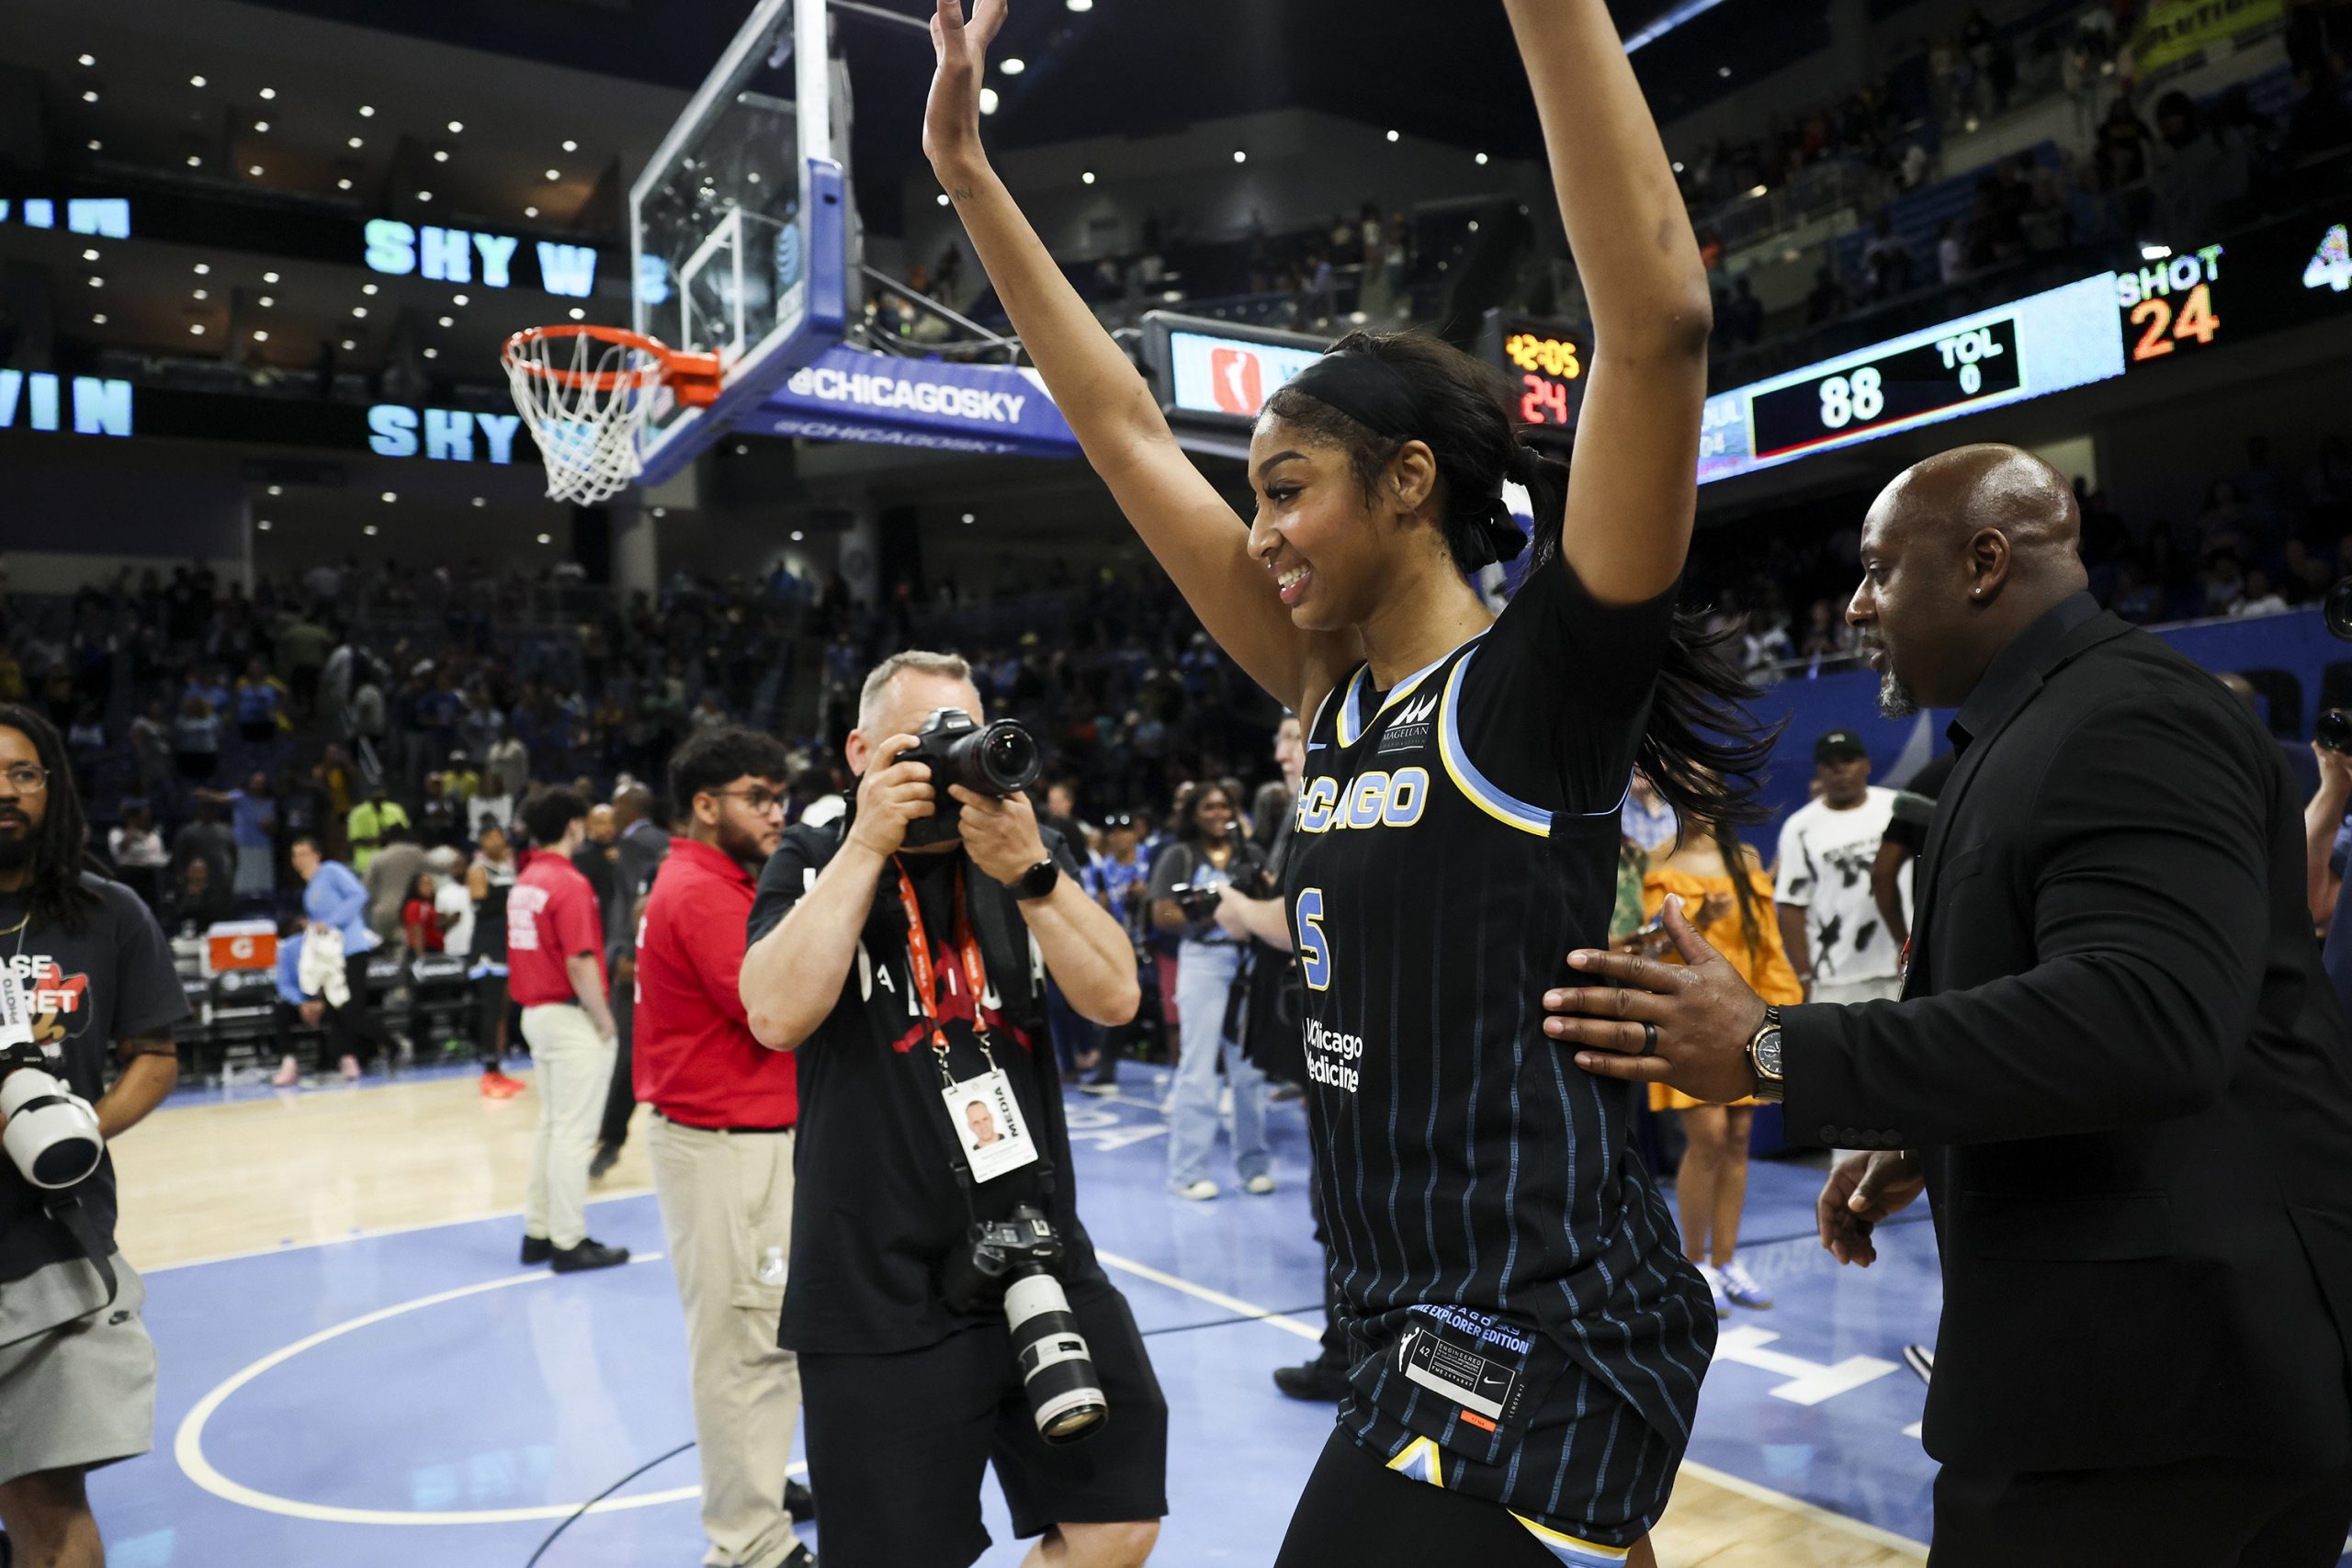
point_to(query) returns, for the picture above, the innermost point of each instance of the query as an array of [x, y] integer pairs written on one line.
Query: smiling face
[[1212, 812], [1334, 552]]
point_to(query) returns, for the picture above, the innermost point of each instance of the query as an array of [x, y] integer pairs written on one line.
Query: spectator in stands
[[372, 822], [1886, 260], [336, 907], [137, 851], [1826, 300], [303, 645], [196, 739], [261, 698], [2122, 153], [205, 837], [490, 806], [2260, 598], [510, 760], [440, 820], [459, 780], [1951, 255], [196, 899], [2198, 171], [151, 749], [253, 830]]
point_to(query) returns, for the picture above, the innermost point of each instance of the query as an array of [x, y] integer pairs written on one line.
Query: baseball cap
[[1840, 744]]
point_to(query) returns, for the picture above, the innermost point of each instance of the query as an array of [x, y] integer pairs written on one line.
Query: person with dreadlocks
[[1526, 1338], [77, 1368], [1727, 896]]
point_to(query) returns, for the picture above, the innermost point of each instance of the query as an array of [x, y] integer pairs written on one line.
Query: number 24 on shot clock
[[1547, 364]]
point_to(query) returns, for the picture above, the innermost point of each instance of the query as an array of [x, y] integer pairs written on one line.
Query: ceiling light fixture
[[342, 184], [278, 490], [348, 345], [424, 196], [555, 174], [440, 154], [1239, 156], [203, 269], [266, 301], [459, 299], [546, 538], [1392, 136], [1086, 178], [798, 535], [270, 278], [359, 312], [391, 495], [253, 169], [988, 100], [261, 336], [89, 60], [480, 501], [193, 160], [530, 212], [196, 328], [578, 314], [448, 321], [1080, 5], [457, 128], [90, 96], [96, 144], [571, 146], [370, 529], [1013, 65], [89, 255], [96, 282], [196, 81], [264, 524], [367, 111], [942, 198], [268, 93], [357, 143], [1482, 160], [967, 517], [204, 294], [432, 354], [100, 320], [262, 126]]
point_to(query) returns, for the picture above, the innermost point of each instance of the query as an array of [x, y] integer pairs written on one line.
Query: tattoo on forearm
[[961, 193]]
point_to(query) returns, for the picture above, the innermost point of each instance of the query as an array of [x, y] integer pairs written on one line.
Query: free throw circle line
[[188, 1445]]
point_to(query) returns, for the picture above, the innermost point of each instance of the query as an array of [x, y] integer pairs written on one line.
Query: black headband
[[1370, 390]]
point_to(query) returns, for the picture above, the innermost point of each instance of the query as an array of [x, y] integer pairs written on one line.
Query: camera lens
[[1057, 1369], [1006, 759], [2338, 610], [2334, 730]]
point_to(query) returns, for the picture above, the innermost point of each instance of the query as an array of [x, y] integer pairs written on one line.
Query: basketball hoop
[[586, 392]]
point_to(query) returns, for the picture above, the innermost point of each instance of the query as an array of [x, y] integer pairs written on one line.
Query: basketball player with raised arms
[[1527, 1337]]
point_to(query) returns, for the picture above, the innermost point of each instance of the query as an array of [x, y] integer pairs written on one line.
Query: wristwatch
[[1764, 1058], [1038, 881]]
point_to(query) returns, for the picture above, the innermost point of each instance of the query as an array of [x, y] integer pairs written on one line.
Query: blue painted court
[[419, 1398]]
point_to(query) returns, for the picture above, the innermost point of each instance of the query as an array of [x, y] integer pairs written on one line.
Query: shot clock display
[[1545, 362]]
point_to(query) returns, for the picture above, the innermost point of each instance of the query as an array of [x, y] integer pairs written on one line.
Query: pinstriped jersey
[[1523, 1326]]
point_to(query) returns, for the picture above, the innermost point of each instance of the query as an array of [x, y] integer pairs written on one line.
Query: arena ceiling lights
[[1675, 16]]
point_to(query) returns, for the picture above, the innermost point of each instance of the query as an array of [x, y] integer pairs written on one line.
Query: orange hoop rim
[[693, 377]]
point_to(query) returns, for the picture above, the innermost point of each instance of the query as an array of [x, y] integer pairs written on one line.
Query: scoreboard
[[2173, 308]]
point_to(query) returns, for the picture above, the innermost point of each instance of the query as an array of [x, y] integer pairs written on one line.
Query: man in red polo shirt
[[721, 1140], [555, 969]]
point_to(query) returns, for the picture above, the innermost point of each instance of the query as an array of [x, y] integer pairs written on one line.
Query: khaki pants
[[726, 1204], [572, 1068]]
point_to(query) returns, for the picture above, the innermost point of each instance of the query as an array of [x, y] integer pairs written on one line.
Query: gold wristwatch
[[1764, 1058]]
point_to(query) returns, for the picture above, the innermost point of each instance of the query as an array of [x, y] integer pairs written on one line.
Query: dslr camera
[[1011, 1262], [999, 758], [1198, 900], [50, 1133]]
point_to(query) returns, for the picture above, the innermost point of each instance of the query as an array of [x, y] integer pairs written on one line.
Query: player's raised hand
[[951, 120]]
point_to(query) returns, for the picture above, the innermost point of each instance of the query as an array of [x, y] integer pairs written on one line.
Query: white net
[[585, 399]]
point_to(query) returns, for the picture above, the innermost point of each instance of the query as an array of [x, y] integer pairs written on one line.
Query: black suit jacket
[[2125, 1073]]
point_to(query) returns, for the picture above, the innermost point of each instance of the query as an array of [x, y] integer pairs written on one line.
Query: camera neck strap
[[924, 977]]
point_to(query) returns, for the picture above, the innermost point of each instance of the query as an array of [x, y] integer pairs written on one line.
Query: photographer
[[1211, 986], [906, 966], [77, 1368]]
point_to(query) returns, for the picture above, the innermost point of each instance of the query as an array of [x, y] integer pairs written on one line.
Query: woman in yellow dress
[[1729, 899]]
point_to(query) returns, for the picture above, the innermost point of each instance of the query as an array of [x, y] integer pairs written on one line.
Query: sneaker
[[1259, 1185], [607, 1157], [1198, 1192], [1742, 1288], [1715, 1277], [1323, 1381], [350, 1069], [1920, 1359], [537, 1249], [496, 1084], [1099, 1086], [288, 1074], [800, 1503], [1285, 1093], [589, 1254]]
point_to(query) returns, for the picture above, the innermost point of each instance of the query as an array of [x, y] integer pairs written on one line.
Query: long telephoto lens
[[1057, 1369]]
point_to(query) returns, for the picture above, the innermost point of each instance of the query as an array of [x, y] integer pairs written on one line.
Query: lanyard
[[968, 949]]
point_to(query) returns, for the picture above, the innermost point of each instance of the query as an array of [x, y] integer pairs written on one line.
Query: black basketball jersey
[[1524, 1326]]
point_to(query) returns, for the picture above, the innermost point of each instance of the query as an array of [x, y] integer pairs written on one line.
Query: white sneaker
[[1714, 1276], [1742, 1288], [1198, 1192], [1259, 1184]]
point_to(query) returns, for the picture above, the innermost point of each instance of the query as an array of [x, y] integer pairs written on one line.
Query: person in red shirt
[[555, 968], [721, 1142]]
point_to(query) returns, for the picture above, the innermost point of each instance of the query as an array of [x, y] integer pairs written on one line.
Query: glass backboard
[[741, 222]]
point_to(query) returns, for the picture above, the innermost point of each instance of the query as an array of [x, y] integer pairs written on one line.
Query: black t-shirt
[[111, 980], [877, 1206]]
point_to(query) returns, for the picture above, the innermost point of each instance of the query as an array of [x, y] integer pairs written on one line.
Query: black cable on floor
[[574, 1515]]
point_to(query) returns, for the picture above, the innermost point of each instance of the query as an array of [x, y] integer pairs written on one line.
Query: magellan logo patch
[[1411, 728]]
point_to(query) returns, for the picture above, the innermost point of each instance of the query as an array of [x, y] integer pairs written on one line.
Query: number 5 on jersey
[[1314, 947]]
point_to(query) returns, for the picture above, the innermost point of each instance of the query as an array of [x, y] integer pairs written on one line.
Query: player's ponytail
[[1703, 749]]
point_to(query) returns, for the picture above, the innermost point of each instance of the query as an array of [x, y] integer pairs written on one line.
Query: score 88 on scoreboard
[[2032, 347]]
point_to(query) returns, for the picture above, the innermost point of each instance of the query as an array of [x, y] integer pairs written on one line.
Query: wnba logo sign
[[1239, 380]]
